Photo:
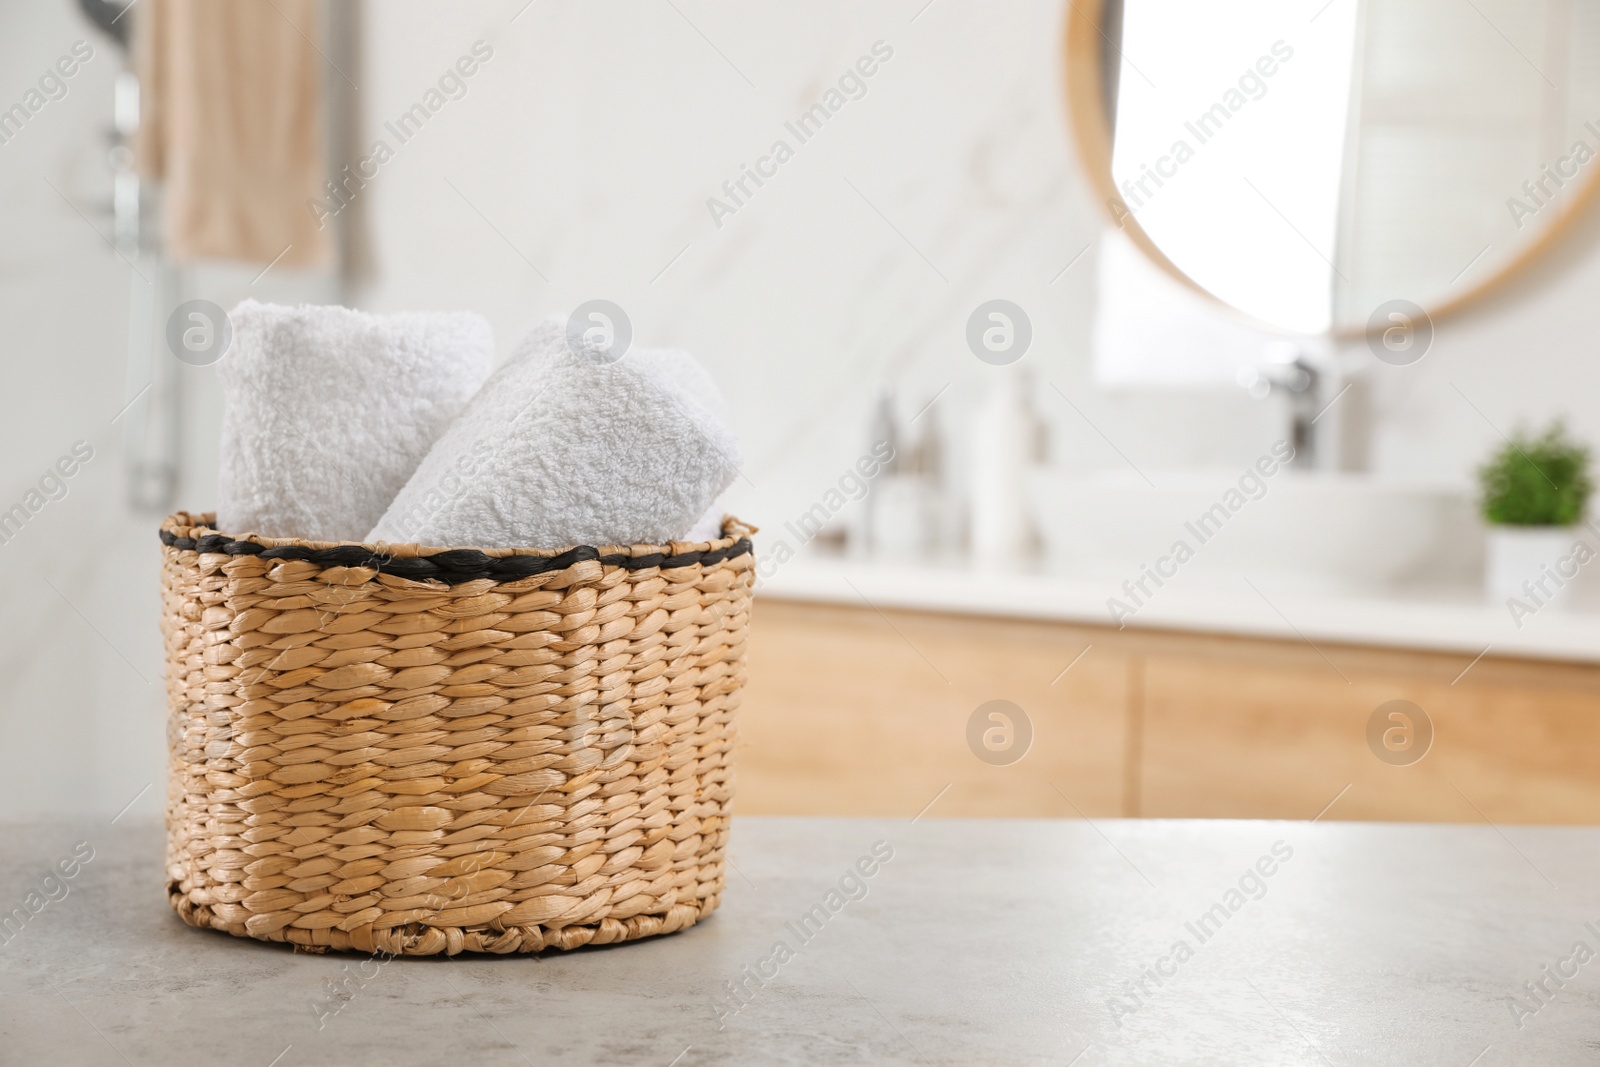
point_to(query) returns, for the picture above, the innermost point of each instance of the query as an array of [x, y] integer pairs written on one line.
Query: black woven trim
[[455, 565]]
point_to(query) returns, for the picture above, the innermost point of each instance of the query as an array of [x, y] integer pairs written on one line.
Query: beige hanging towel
[[231, 124]]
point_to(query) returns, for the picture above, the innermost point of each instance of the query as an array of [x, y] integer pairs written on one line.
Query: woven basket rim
[[185, 523], [186, 531]]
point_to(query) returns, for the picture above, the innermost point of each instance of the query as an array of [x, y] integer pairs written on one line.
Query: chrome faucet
[[1291, 371]]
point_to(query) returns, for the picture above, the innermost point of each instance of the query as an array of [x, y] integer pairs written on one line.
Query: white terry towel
[[328, 411], [688, 374], [556, 450], [708, 527]]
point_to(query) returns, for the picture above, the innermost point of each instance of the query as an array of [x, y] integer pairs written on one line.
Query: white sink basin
[[1307, 531]]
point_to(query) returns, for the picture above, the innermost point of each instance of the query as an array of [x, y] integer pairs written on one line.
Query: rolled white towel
[[708, 527], [328, 412], [558, 450], [690, 377]]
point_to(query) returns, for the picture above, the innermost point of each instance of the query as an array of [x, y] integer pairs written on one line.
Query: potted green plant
[[1534, 493]]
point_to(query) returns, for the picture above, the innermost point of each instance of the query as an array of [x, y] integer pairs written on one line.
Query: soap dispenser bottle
[[1004, 442]]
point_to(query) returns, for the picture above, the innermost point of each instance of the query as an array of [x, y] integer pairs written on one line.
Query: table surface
[[978, 942]]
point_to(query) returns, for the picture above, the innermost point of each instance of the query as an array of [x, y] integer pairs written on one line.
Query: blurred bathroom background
[[604, 150]]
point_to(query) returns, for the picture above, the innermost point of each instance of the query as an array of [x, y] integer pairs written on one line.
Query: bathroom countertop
[[1448, 620], [977, 942]]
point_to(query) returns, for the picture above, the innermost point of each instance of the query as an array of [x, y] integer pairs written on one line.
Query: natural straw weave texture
[[415, 751]]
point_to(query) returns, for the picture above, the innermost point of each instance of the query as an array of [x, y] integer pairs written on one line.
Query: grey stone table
[[1004, 942]]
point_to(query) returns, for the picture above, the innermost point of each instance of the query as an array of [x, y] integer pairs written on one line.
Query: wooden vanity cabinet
[[856, 711]]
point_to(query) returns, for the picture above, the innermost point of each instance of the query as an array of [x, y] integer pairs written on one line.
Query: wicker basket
[[412, 751]]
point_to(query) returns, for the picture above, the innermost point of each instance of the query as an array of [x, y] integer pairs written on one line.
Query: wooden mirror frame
[[1087, 109]]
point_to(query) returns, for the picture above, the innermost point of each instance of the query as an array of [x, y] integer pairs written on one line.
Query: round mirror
[[1334, 166]]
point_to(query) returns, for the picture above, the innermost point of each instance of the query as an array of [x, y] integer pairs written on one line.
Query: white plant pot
[[1524, 562]]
